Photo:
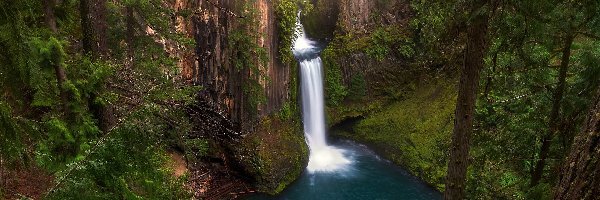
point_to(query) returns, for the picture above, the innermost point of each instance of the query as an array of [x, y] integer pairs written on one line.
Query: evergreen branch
[[92, 149]]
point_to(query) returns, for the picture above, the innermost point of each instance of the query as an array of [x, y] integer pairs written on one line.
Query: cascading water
[[348, 170], [323, 158]]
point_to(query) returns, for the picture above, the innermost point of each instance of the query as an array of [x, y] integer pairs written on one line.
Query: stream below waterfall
[[368, 177]]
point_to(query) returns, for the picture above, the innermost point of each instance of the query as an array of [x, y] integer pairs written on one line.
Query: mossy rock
[[414, 132], [274, 155]]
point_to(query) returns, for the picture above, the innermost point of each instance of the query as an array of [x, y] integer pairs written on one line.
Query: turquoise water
[[368, 177]]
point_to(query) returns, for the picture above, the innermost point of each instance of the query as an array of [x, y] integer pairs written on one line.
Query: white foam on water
[[323, 158]]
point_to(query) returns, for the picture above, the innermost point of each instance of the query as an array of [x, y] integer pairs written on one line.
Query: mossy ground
[[413, 132], [275, 155]]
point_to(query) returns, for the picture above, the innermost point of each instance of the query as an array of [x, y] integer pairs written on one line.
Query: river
[[368, 177]]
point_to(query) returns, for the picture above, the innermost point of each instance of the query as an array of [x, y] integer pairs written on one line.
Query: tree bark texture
[[465, 105], [86, 27], [49, 16], [580, 174], [94, 42], [130, 37]]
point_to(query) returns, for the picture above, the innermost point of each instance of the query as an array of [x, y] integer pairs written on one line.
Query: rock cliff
[[244, 88]]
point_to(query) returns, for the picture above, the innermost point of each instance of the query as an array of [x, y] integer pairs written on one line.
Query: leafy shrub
[[335, 91], [385, 41], [285, 14]]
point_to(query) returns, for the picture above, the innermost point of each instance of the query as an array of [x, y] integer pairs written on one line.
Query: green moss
[[275, 155], [414, 132], [358, 87], [334, 88], [354, 109]]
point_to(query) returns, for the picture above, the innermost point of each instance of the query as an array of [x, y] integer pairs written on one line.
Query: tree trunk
[[49, 15], [94, 27], [580, 174], [538, 171], [130, 21], [100, 28], [465, 106], [86, 27], [94, 44], [61, 76]]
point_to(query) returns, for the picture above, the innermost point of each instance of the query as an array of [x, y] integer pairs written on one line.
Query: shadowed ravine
[[343, 170]]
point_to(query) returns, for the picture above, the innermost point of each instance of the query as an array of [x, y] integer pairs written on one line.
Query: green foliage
[[14, 134], [334, 88], [195, 148], [511, 124], [384, 41], [436, 27], [286, 13], [127, 162], [293, 102], [521, 75], [128, 165], [540, 192], [286, 112]]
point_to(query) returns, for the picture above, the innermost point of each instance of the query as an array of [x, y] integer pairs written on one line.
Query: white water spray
[[323, 158]]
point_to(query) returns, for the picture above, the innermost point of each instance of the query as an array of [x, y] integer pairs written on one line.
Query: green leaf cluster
[[62, 135]]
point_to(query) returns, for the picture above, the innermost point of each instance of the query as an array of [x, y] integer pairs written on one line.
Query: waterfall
[[323, 158]]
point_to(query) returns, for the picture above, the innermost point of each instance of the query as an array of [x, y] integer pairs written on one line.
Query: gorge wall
[[212, 66], [248, 105], [244, 87]]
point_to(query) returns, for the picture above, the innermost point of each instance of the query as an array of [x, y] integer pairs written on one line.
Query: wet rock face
[[212, 69], [320, 23], [277, 88], [354, 14], [222, 83]]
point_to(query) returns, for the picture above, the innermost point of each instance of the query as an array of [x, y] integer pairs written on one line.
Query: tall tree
[[49, 16], [61, 75], [130, 35], [568, 21], [477, 31], [554, 113], [94, 28], [580, 177], [86, 27]]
